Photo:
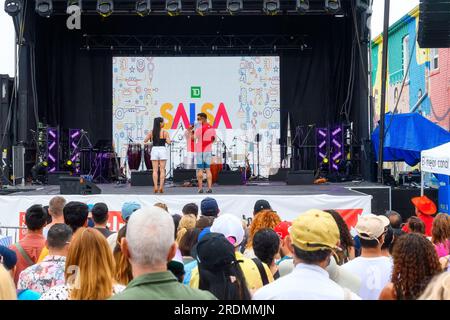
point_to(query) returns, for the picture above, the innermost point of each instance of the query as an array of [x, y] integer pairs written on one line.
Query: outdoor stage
[[288, 201]]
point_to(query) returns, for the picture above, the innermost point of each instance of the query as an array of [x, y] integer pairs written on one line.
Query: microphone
[[82, 131], [130, 140]]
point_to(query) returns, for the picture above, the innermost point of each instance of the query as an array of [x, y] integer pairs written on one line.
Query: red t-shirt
[[204, 138], [32, 244], [427, 220]]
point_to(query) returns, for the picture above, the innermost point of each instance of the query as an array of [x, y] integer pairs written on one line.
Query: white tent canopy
[[435, 160]]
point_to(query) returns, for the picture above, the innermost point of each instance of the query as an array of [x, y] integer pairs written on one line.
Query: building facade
[[427, 84]]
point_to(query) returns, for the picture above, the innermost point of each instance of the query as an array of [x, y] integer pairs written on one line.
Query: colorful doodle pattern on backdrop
[[241, 96]]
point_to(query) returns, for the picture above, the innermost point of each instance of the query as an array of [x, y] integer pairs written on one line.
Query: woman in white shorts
[[158, 154]]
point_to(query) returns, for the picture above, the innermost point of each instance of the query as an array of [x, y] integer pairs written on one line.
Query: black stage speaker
[[281, 175], [76, 185], [401, 200], [381, 198], [53, 177], [142, 178], [301, 177], [182, 175], [229, 178]]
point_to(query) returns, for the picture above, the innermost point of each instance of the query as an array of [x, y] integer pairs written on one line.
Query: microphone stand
[[170, 173], [224, 154]]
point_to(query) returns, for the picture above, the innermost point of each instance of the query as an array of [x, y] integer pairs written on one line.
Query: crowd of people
[[69, 253]]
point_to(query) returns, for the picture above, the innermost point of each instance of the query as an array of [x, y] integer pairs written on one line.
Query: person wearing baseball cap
[[373, 269], [127, 210], [285, 264], [209, 207], [219, 270], [256, 273], [314, 235], [8, 258], [425, 208], [261, 205]]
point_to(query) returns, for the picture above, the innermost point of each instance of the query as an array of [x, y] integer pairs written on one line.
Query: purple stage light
[[322, 150], [336, 131], [336, 156], [337, 144], [337, 147], [74, 148], [52, 154]]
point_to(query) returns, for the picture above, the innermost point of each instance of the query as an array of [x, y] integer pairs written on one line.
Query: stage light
[[234, 6], [332, 5], [69, 162], [105, 7], [143, 7], [204, 6], [74, 3], [173, 7], [44, 8], [302, 5], [12, 7], [271, 7]]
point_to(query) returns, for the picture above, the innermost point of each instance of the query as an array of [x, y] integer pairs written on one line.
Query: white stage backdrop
[[240, 95], [288, 207]]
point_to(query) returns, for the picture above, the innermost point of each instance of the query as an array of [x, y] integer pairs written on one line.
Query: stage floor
[[256, 188]]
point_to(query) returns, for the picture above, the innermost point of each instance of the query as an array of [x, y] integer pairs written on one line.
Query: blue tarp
[[407, 135]]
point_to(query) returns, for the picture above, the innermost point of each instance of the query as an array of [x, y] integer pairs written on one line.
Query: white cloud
[[397, 8]]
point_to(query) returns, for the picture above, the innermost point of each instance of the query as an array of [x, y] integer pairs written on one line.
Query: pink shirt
[[442, 249]]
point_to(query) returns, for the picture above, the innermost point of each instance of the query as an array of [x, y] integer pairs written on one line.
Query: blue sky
[[398, 9]]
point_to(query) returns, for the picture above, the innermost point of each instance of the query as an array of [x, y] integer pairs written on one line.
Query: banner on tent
[[436, 164], [288, 207]]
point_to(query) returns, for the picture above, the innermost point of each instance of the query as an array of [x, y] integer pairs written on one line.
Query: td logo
[[196, 92]]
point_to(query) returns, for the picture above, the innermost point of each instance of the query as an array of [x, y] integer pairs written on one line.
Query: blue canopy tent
[[407, 134]]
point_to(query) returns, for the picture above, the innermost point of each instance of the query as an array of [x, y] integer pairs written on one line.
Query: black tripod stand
[[258, 139]]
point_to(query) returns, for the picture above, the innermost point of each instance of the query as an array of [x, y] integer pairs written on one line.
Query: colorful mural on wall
[[427, 86]]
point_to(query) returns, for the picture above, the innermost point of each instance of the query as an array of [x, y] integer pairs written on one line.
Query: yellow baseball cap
[[314, 230]]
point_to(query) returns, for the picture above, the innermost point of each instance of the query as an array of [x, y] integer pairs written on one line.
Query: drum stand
[[99, 166]]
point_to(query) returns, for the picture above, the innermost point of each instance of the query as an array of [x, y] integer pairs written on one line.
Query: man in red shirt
[[29, 248], [204, 136], [425, 208]]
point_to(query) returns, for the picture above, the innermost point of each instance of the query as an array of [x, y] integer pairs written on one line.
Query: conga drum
[[215, 169], [134, 154], [147, 155]]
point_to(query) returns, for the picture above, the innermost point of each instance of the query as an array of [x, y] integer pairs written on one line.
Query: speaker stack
[[76, 185], [301, 177]]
